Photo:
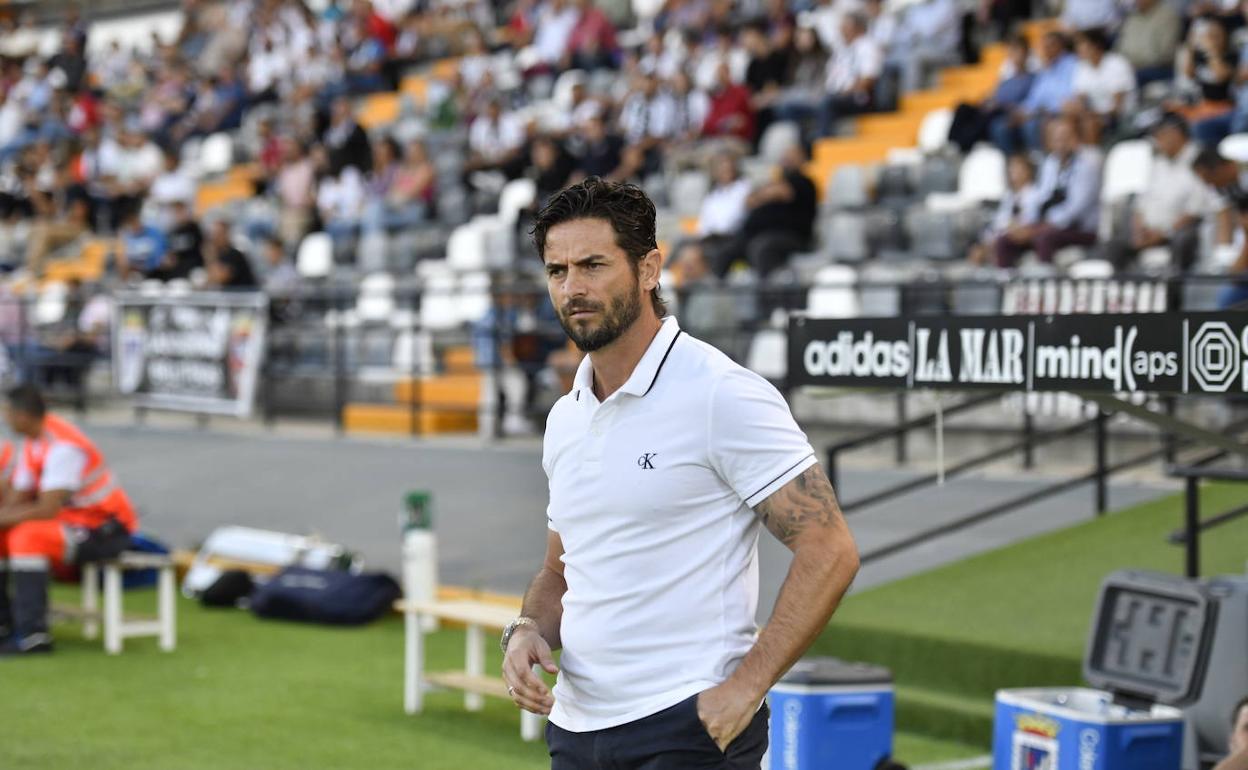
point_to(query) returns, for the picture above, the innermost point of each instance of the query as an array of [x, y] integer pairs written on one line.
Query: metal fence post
[[902, 448], [1102, 481], [1029, 435], [1167, 438], [1191, 525], [340, 364]]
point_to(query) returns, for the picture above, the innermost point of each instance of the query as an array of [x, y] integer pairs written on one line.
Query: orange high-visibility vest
[[98, 496], [8, 461]]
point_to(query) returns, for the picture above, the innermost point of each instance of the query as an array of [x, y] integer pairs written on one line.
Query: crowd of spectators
[[95, 136]]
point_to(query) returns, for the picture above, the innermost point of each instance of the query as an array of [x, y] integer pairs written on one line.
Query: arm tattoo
[[806, 501]]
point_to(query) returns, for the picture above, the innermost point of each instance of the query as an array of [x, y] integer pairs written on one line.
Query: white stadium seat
[[934, 130], [315, 258], [1126, 170]]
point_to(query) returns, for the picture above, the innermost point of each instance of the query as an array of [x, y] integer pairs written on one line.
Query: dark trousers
[[672, 739], [1048, 241], [1184, 245]]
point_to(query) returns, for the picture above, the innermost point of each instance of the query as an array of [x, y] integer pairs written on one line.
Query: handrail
[[1193, 525]]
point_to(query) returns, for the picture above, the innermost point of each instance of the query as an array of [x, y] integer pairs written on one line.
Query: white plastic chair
[[375, 302], [981, 179], [474, 297], [778, 138], [562, 94], [934, 130], [465, 250], [688, 190], [315, 258], [216, 154], [833, 294], [847, 187], [517, 195], [1234, 147], [1126, 170], [51, 304], [768, 354], [438, 309]]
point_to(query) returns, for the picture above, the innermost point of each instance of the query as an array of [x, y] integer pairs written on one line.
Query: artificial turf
[[242, 694]]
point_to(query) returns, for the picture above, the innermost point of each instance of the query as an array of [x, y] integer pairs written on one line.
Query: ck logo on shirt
[[644, 463]]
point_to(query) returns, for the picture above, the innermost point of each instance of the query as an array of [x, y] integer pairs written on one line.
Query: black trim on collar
[[665, 355]]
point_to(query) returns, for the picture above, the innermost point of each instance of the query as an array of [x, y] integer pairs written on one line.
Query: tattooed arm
[[803, 515]]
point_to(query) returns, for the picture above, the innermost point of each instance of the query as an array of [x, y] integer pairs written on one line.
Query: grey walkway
[[489, 501]]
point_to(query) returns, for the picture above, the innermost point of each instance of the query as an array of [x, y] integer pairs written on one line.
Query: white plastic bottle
[[420, 554]]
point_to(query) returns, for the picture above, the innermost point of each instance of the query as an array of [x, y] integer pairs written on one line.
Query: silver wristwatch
[[511, 629]]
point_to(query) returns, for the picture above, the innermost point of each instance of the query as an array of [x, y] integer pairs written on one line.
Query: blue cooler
[[826, 713], [1147, 653]]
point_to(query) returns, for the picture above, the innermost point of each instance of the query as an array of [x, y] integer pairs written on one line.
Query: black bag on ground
[[325, 596], [103, 543], [233, 586]]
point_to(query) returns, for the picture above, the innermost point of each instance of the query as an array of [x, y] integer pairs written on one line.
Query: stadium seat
[[847, 188], [474, 298], [934, 130], [517, 195], [465, 251], [375, 302], [768, 354], [413, 353], [933, 234], [1091, 269], [777, 138], [847, 236], [833, 295], [438, 310], [1126, 170], [216, 154], [315, 258], [51, 303], [687, 192], [372, 251], [981, 179], [562, 94], [1235, 147]]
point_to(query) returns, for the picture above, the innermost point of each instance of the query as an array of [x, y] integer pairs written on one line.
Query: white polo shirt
[[651, 493]]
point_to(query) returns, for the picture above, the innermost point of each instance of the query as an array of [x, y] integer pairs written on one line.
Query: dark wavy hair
[[625, 206]]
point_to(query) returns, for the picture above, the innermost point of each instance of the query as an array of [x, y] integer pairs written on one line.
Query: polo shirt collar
[[646, 373]]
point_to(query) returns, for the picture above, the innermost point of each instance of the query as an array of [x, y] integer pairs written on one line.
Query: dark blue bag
[[325, 596], [142, 578]]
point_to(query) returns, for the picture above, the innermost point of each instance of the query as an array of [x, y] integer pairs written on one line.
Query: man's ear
[[650, 267]]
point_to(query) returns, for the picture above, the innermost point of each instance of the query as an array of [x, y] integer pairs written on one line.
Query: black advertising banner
[[1138, 353], [195, 352]]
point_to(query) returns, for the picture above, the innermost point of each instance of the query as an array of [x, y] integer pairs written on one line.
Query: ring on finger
[[511, 692]]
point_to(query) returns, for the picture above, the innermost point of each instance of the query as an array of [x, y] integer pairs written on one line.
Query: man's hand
[[726, 710], [526, 649]]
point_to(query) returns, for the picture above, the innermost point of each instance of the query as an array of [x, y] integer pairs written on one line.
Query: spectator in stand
[[1224, 177], [852, 74], [1238, 743], [1170, 210], [591, 44], [600, 151], [141, 249], [971, 123], [1023, 127], [495, 140], [345, 140], [1104, 82], [339, 201], [648, 117], [1149, 39], [407, 198], [1206, 67], [186, 243], [553, 30], [1080, 15], [730, 115], [765, 74], [126, 175], [550, 167], [364, 62], [929, 36], [1213, 129], [720, 221], [62, 216], [1066, 209], [1004, 14], [882, 26], [296, 192], [780, 220], [170, 187], [802, 89], [228, 268], [1019, 198], [281, 279]]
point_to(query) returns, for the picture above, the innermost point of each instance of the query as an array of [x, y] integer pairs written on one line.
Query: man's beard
[[624, 311]]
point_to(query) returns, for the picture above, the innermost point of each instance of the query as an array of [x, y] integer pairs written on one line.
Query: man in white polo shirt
[[663, 461]]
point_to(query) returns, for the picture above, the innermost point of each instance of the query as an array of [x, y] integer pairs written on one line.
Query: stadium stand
[[399, 149]]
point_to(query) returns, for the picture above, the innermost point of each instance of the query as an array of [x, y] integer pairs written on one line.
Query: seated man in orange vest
[[64, 507]]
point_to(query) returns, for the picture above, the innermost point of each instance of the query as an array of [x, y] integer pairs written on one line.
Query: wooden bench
[[117, 625], [478, 617]]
